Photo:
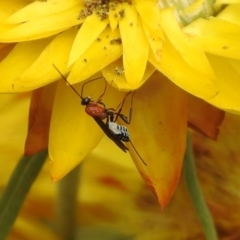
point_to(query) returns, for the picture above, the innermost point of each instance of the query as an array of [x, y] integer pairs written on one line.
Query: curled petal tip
[[162, 189]]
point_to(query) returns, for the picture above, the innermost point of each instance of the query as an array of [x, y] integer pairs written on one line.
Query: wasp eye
[[86, 101]]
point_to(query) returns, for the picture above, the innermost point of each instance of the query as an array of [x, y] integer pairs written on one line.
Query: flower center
[[190, 10], [101, 8]]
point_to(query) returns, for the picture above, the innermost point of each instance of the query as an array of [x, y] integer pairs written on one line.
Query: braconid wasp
[[98, 111]]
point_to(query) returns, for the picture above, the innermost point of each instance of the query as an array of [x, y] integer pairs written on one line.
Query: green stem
[[6, 195], [67, 204], [197, 195], [17, 189]]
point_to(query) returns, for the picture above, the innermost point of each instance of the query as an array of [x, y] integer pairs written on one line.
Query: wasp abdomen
[[119, 131]]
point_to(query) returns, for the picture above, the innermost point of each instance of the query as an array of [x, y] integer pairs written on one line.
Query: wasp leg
[[122, 116]]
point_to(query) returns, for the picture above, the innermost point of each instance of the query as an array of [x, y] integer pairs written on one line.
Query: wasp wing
[[108, 132]]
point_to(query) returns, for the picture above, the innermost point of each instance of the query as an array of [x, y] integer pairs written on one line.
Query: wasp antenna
[[104, 91], [67, 81], [137, 153], [92, 81]]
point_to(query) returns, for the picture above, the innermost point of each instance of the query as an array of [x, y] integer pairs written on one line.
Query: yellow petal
[[188, 48], [135, 46], [158, 132], [90, 63], [88, 33], [114, 74], [154, 41], [150, 16], [17, 61], [216, 36], [177, 70], [7, 8], [74, 134], [40, 9], [200, 119], [114, 16], [230, 14], [228, 74], [220, 2], [39, 119], [33, 78], [42, 27]]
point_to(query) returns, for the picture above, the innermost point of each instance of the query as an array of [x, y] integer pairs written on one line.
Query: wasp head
[[85, 101]]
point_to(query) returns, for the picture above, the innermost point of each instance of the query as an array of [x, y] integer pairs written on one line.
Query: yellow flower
[[105, 179], [188, 53]]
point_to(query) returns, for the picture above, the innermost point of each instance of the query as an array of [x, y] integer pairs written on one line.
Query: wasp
[[98, 111], [120, 131]]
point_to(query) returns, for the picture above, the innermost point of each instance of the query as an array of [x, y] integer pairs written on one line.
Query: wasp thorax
[[86, 100]]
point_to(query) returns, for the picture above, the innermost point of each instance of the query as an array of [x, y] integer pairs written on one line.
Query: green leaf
[[17, 189]]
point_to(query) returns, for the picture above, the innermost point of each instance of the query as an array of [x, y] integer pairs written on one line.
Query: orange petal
[[158, 131], [39, 119], [204, 117], [5, 49]]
